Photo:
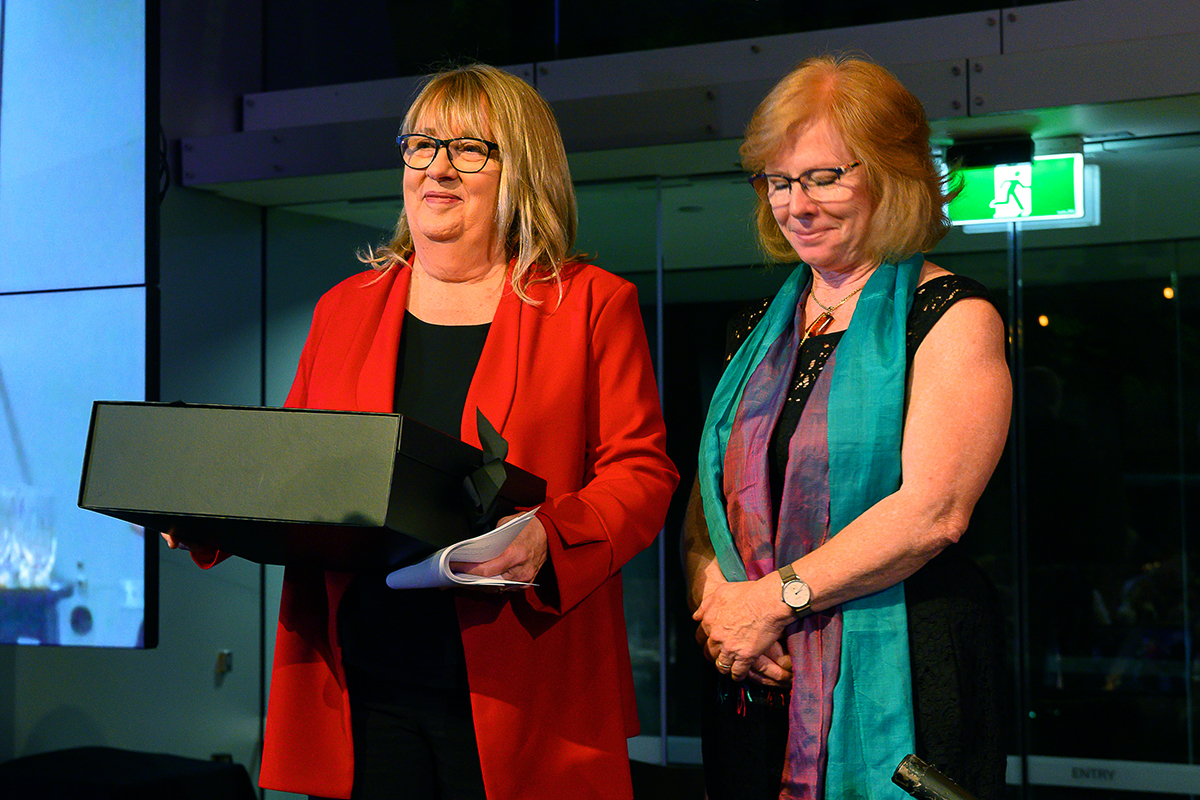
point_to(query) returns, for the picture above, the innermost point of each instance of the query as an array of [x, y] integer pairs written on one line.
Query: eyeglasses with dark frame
[[466, 153], [823, 184]]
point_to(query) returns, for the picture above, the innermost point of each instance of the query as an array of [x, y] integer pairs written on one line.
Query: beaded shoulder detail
[[742, 324], [930, 302], [932, 299]]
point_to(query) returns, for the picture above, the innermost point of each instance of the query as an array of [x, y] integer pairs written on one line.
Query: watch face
[[796, 594]]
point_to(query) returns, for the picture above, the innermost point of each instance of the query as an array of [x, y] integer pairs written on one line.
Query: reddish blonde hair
[[883, 125]]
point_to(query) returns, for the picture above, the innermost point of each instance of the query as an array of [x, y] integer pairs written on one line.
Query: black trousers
[[743, 736], [418, 746]]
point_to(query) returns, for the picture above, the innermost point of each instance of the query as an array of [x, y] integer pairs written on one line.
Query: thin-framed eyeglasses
[[823, 184], [467, 154]]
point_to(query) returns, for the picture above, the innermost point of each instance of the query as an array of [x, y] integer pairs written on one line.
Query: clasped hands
[[740, 625]]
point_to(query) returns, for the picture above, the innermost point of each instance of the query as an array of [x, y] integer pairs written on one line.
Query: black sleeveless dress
[[955, 626]]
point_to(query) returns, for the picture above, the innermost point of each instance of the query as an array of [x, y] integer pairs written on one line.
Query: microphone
[[925, 783]]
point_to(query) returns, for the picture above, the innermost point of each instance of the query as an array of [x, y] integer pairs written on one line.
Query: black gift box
[[335, 489]]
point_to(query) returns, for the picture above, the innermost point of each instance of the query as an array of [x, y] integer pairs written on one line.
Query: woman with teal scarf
[[860, 416]]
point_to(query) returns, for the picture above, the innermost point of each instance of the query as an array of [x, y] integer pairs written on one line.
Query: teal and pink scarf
[[851, 719]]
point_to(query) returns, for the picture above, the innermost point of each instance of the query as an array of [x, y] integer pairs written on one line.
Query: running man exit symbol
[[1014, 191]]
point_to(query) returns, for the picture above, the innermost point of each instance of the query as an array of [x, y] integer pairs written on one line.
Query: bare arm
[[956, 425], [700, 568], [955, 428]]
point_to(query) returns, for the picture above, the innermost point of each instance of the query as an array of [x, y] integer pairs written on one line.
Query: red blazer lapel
[[495, 382], [376, 386]]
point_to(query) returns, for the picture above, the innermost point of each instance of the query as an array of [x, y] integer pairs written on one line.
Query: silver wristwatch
[[796, 593]]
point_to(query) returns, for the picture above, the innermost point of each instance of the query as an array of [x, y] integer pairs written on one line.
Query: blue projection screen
[[72, 144], [73, 323]]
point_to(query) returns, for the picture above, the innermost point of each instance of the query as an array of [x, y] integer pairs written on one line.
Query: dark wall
[[322, 42]]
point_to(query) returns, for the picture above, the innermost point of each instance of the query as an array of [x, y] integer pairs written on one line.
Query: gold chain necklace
[[825, 318]]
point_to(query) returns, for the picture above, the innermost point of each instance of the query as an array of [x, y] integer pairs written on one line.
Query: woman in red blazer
[[476, 305]]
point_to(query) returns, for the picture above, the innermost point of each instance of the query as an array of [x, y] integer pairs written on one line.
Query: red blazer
[[569, 385]]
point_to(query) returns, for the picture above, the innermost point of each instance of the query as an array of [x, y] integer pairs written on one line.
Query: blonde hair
[[883, 125], [536, 210]]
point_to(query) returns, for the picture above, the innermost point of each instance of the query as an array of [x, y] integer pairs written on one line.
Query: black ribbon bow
[[482, 485]]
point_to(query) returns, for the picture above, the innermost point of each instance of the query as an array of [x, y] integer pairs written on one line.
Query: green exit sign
[[1048, 188]]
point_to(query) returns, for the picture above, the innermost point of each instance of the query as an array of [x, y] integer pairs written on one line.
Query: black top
[[930, 302], [391, 637], [434, 371]]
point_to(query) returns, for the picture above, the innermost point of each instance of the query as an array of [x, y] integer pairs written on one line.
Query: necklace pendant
[[820, 324]]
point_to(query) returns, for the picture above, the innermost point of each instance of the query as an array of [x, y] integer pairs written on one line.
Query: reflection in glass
[[1107, 553], [67, 576], [27, 542]]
